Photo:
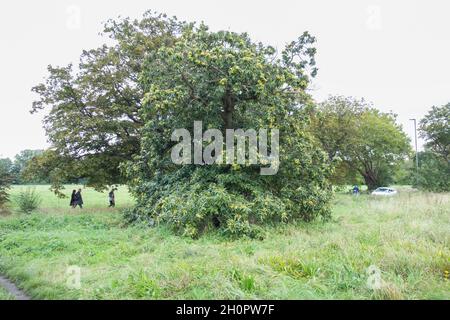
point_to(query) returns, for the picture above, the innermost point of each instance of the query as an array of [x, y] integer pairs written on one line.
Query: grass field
[[4, 295], [406, 237]]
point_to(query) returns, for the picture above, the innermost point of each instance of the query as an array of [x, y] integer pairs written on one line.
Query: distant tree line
[[15, 169], [368, 147], [22, 170], [12, 172]]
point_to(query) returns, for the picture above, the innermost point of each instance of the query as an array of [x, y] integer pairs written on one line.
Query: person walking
[[72, 199], [112, 198], [78, 199]]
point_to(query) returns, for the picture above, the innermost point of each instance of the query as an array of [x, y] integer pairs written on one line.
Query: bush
[[434, 173], [3, 194], [5, 181], [28, 200], [195, 200]]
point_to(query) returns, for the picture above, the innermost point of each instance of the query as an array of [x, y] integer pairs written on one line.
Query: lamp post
[[415, 140]]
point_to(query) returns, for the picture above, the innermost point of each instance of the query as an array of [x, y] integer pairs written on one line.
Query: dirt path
[[13, 290]]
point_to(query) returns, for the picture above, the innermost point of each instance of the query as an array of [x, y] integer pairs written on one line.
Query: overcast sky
[[393, 53]]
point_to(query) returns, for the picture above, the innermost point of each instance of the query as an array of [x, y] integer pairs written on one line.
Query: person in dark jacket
[[78, 199], [72, 199]]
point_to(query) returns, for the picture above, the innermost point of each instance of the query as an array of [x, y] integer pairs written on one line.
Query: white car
[[383, 191]]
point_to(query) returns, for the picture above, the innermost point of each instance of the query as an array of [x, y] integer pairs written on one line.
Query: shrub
[[5, 180], [28, 200], [3, 195], [142, 286], [236, 203]]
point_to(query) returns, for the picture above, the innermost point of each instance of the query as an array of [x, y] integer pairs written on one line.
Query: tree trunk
[[228, 108], [370, 180]]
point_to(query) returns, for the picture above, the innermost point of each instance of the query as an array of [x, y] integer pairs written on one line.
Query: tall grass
[[405, 237]]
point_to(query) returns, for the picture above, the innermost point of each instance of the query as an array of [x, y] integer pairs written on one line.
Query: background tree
[[380, 148], [21, 160], [5, 180], [54, 167], [92, 118], [6, 164], [434, 173], [434, 163], [435, 129], [227, 81], [366, 141], [334, 125]]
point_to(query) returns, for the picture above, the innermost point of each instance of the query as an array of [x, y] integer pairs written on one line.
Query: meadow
[[4, 295], [405, 237]]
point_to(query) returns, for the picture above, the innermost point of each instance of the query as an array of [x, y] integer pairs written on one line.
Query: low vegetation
[[406, 237], [28, 200], [4, 295]]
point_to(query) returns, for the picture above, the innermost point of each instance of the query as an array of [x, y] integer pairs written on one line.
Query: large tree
[[92, 112], [227, 81], [363, 140]]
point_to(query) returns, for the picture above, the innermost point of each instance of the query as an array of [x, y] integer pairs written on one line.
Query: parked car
[[383, 191]]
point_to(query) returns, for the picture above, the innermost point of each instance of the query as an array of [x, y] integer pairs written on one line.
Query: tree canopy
[[21, 161], [92, 112], [434, 163], [363, 140], [435, 129], [227, 81]]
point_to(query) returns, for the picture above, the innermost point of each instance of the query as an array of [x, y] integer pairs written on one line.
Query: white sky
[[393, 53]]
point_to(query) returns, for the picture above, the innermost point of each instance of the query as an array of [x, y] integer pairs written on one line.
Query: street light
[[415, 140]]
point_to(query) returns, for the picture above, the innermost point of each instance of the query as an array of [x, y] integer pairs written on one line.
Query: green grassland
[[4, 295], [406, 237], [92, 199]]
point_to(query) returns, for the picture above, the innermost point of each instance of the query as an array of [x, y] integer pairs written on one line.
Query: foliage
[[364, 140], [227, 81], [435, 129], [5, 180], [405, 172], [62, 169], [21, 161], [28, 200], [17, 167], [92, 118], [434, 163], [6, 164], [434, 173]]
